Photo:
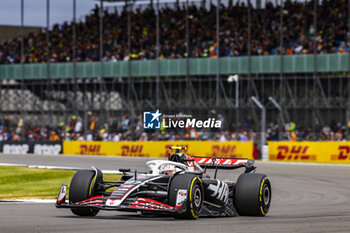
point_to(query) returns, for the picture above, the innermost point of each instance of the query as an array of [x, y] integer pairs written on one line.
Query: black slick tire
[[252, 195], [195, 195], [82, 187]]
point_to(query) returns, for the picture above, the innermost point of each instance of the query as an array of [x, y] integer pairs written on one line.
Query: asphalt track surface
[[305, 198]]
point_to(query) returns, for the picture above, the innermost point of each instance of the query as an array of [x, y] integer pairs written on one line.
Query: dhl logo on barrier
[[294, 153], [320, 152], [133, 151], [90, 149], [160, 149], [343, 153]]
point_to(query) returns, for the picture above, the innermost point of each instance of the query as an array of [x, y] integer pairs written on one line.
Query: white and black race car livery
[[179, 186]]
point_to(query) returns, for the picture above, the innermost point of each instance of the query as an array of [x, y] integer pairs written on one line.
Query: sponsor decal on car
[[218, 161], [180, 198], [62, 194], [146, 203], [220, 191]]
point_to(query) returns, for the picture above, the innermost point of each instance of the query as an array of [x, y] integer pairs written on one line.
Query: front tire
[[195, 195], [82, 187], [252, 195]]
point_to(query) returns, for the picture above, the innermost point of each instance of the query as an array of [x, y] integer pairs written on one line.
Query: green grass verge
[[23, 182]]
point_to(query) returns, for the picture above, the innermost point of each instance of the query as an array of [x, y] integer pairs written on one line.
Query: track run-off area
[[305, 198]]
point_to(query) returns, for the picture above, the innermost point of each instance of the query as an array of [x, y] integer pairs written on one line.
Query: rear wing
[[225, 163], [217, 163]]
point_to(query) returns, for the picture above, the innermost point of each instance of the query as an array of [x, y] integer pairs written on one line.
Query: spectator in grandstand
[[139, 126], [10, 135], [80, 137], [67, 137], [299, 34], [224, 136], [125, 123], [7, 123], [89, 136], [78, 128], [332, 132], [115, 137], [112, 125], [243, 136], [54, 137], [143, 137], [92, 124]]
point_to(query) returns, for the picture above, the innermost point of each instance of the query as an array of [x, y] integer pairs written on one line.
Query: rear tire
[[83, 187], [252, 195], [195, 195]]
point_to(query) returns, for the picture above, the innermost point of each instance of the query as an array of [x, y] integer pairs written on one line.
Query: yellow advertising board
[[230, 149], [316, 152]]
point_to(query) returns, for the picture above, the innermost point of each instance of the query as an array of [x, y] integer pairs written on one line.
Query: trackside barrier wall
[[177, 67], [315, 152], [22, 147], [159, 149]]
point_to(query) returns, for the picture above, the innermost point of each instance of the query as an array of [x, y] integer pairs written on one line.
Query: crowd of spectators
[[331, 33], [127, 128]]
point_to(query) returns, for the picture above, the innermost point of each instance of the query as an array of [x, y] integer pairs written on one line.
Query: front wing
[[130, 204]]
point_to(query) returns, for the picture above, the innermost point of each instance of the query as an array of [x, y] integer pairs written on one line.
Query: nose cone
[[113, 202]]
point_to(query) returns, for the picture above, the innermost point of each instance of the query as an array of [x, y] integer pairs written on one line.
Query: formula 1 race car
[[178, 186]]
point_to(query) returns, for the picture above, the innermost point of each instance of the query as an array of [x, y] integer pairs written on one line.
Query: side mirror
[[124, 170]]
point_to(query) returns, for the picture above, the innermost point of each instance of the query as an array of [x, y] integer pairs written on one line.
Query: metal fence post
[[187, 55], [263, 119], [218, 52], [101, 58], [22, 64], [48, 50], [282, 122], [157, 55], [281, 69], [74, 56], [348, 81], [315, 92]]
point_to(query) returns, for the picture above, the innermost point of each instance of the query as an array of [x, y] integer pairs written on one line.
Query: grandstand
[[178, 56]]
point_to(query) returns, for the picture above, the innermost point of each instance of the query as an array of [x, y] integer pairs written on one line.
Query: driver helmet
[[167, 169]]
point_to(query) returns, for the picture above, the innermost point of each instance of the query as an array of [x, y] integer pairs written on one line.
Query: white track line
[[20, 201], [55, 167]]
